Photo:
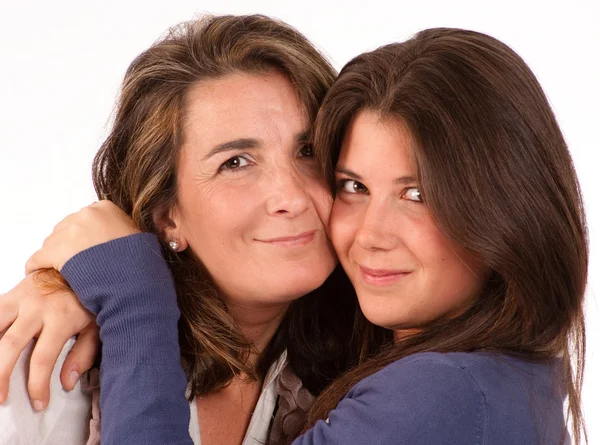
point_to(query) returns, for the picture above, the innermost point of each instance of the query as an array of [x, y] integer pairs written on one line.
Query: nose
[[379, 228], [289, 193]]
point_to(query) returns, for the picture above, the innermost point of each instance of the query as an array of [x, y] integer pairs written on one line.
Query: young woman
[[458, 218], [209, 151]]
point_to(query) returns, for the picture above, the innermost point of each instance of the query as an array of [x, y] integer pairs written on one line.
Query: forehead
[[242, 105], [376, 142]]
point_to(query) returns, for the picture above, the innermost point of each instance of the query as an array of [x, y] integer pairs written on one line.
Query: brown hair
[[136, 169], [484, 127]]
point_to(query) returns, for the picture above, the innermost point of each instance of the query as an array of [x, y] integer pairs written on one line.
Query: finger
[[43, 359], [42, 259], [45, 258], [12, 344], [9, 309], [35, 262], [66, 221], [81, 358]]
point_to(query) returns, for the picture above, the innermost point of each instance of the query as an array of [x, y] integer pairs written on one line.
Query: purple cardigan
[[424, 399]]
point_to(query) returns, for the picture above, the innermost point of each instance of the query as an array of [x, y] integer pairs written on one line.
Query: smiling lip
[[381, 277], [291, 241]]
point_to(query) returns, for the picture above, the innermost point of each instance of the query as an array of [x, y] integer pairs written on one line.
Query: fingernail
[[73, 378], [38, 405]]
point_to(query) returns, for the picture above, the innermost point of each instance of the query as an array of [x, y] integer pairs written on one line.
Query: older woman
[[459, 221], [210, 152]]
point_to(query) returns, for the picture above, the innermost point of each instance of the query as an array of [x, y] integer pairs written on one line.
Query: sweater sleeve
[[416, 402], [128, 285]]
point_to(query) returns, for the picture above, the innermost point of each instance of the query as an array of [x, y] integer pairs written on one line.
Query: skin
[[405, 271], [250, 205]]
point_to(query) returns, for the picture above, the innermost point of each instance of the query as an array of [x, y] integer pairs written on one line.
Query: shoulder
[[475, 376], [491, 396], [421, 399], [429, 372], [478, 368], [426, 398], [435, 383]]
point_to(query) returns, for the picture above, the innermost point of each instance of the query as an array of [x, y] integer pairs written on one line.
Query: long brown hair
[[496, 174], [136, 169]]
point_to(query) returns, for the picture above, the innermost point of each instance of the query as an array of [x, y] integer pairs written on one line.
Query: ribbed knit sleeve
[[128, 285]]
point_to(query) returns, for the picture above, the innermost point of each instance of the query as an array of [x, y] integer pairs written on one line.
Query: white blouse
[[64, 421], [258, 429]]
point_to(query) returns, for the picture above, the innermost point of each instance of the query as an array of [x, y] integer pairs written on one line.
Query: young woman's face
[[251, 203], [405, 271]]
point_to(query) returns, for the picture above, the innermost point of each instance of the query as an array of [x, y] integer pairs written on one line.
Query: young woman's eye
[[412, 194], [306, 151], [352, 186], [234, 163]]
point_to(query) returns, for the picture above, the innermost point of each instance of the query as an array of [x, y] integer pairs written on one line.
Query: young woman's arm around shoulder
[[122, 277], [137, 314]]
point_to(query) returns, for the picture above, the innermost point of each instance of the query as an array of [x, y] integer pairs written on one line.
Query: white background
[[61, 63]]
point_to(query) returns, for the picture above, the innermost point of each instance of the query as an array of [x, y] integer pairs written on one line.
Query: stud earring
[[174, 246]]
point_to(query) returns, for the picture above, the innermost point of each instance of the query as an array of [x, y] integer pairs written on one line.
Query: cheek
[[323, 204], [419, 237], [214, 216], [321, 198], [343, 225], [451, 271]]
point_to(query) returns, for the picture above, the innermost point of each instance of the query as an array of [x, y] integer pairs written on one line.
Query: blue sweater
[[424, 399]]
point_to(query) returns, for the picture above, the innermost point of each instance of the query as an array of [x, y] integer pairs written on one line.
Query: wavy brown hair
[[484, 127], [136, 169]]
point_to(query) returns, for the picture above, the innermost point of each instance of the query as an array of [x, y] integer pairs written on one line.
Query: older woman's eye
[[306, 151], [234, 163], [352, 186], [412, 194]]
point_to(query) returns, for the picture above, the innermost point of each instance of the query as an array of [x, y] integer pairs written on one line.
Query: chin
[[384, 315], [382, 321], [291, 286]]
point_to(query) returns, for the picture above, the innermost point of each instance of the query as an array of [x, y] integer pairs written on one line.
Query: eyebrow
[[237, 144], [245, 143], [404, 180], [302, 136]]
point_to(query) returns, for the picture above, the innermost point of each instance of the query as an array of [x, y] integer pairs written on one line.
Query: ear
[[168, 224]]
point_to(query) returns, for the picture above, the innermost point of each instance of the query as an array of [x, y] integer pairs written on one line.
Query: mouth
[[290, 241], [381, 277]]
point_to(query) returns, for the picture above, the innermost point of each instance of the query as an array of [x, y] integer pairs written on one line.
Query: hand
[[95, 224], [43, 306]]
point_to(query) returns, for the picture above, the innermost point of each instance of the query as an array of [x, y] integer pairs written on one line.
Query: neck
[[401, 334], [258, 323]]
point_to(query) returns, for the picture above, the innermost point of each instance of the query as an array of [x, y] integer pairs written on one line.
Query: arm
[[412, 402], [127, 283]]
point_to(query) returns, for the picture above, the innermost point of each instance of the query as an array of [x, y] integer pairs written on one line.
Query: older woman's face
[[251, 203]]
